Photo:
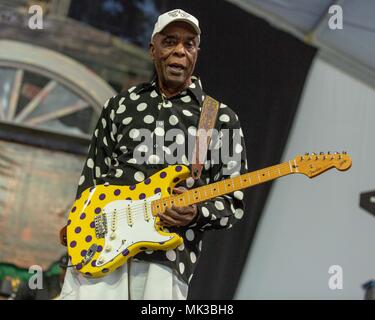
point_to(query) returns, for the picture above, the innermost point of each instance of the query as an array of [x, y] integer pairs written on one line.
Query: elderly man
[[171, 101]]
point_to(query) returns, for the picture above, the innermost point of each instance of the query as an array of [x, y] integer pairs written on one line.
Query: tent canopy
[[351, 48]]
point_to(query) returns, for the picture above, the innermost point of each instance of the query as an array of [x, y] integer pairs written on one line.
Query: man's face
[[175, 51]]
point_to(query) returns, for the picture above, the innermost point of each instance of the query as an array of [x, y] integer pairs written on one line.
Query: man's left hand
[[178, 216]]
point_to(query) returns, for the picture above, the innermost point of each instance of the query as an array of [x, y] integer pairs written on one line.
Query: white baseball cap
[[176, 15]]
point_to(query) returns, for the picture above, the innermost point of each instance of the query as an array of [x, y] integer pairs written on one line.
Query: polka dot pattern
[[142, 107], [190, 235], [224, 118], [134, 133], [171, 255], [134, 96], [182, 267], [239, 213], [173, 120], [139, 176], [127, 120], [193, 257], [112, 157], [219, 205], [186, 99], [121, 109], [238, 195], [159, 131], [205, 212], [148, 119], [187, 113], [81, 180]]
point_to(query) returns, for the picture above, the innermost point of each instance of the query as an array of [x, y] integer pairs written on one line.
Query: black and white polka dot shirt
[[111, 159]]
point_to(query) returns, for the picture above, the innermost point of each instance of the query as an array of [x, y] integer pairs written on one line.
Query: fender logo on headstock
[[316, 170]]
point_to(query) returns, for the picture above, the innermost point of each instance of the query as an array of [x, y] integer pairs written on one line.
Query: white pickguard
[[124, 234]]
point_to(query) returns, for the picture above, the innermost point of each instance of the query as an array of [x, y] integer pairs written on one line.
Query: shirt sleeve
[[224, 211], [100, 154]]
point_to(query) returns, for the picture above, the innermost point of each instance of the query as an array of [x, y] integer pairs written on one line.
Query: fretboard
[[222, 187]]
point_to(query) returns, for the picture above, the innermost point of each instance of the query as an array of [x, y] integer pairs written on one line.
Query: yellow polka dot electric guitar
[[108, 224]]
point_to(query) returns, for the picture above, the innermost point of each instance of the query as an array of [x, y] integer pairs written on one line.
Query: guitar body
[[108, 224]]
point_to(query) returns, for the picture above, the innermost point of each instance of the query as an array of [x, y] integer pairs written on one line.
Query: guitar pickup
[[114, 221]]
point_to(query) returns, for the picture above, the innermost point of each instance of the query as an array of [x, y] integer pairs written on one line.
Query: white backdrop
[[311, 224]]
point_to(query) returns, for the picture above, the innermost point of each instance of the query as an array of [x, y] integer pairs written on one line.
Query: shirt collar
[[195, 88]]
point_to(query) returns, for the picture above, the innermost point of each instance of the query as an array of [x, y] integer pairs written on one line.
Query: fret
[[290, 166], [295, 165], [158, 204], [206, 189], [183, 200], [222, 187], [232, 181], [165, 203], [189, 201], [215, 189]]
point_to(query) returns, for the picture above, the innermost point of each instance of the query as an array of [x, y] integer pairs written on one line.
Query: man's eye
[[169, 42]]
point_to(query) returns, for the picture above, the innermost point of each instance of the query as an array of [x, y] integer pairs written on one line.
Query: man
[[171, 101]]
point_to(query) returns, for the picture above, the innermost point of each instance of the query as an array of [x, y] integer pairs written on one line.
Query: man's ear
[[151, 50]]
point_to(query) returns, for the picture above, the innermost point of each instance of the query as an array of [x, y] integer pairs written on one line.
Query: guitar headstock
[[314, 164]]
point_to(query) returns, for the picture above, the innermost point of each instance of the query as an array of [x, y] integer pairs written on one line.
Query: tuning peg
[[321, 152], [344, 152], [316, 156], [306, 154], [328, 152]]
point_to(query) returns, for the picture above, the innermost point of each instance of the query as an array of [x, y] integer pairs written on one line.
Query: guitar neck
[[223, 187]]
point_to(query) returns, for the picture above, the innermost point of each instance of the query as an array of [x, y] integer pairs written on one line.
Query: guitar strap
[[207, 121]]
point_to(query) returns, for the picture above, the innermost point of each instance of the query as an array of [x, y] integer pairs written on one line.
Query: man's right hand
[[63, 239]]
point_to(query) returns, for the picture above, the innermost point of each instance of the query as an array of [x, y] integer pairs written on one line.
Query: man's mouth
[[176, 68]]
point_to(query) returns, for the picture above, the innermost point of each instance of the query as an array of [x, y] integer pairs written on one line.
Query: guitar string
[[269, 171], [139, 210], [191, 190]]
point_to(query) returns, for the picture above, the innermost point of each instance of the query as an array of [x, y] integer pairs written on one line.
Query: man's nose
[[179, 49]]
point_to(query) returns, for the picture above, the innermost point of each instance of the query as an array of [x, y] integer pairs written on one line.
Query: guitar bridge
[[101, 227]]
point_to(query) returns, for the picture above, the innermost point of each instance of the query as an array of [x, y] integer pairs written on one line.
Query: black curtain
[[259, 72]]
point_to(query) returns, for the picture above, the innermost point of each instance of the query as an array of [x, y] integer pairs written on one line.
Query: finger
[[175, 215], [184, 210], [179, 190], [168, 219], [163, 223]]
